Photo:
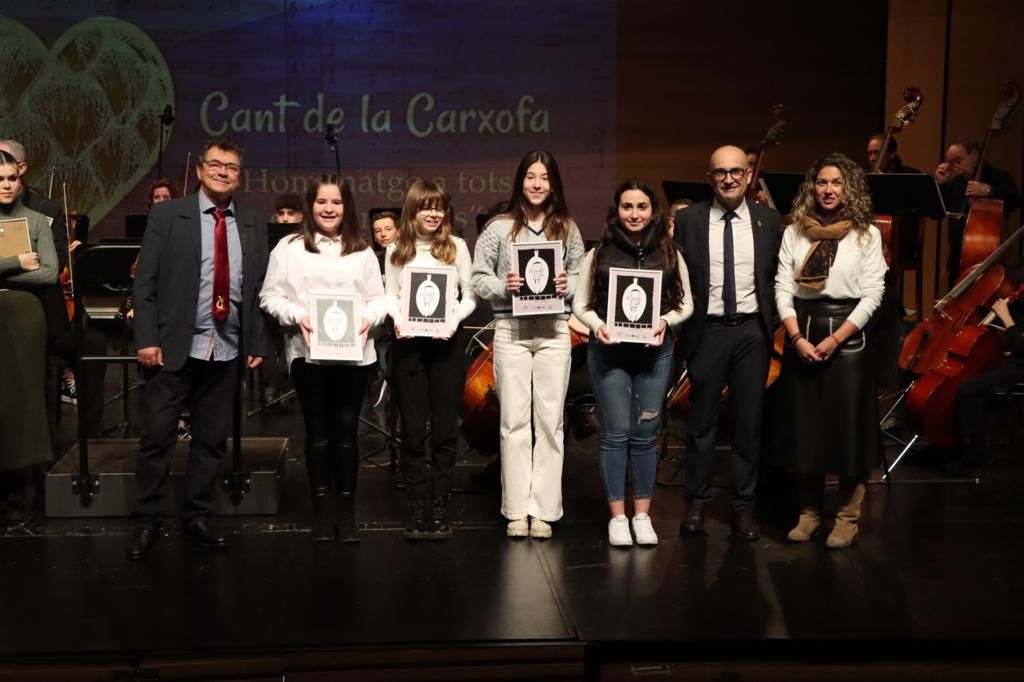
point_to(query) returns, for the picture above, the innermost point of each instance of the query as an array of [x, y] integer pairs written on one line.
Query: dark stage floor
[[935, 575]]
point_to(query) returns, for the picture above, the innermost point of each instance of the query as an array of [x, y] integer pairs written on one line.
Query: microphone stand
[[332, 142], [166, 119]]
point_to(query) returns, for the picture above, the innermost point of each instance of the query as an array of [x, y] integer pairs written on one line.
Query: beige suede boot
[[845, 531], [809, 523]]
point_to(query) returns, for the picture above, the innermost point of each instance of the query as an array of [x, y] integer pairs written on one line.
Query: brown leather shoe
[[744, 527], [693, 522]]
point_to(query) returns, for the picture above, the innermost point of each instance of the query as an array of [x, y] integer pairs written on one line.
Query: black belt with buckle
[[731, 320]]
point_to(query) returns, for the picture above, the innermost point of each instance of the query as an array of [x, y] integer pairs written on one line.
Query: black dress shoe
[[143, 540], [694, 520], [744, 527], [206, 532]]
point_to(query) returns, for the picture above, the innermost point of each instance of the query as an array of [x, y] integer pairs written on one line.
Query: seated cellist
[[973, 394]]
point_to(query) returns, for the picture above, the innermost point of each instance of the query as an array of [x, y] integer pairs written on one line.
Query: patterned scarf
[[824, 244]]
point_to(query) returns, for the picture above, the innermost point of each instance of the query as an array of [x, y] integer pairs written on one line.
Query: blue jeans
[[630, 381]]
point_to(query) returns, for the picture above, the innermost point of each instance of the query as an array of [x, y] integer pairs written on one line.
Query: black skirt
[[828, 412]]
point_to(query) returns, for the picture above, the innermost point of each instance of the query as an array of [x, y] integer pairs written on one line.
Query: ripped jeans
[[630, 381]]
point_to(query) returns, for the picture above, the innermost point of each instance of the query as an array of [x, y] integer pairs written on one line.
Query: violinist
[[829, 283], [730, 246], [972, 395], [955, 176]]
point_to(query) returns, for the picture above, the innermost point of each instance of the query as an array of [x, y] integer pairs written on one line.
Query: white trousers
[[531, 373]]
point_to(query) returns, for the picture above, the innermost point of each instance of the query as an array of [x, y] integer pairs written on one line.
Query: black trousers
[[429, 377], [972, 394], [208, 388], [331, 396], [738, 357]]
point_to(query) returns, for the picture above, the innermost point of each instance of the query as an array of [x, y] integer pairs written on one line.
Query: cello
[[679, 395], [984, 226], [931, 401], [927, 346]]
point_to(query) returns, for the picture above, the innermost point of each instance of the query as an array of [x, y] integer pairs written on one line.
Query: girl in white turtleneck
[[428, 373]]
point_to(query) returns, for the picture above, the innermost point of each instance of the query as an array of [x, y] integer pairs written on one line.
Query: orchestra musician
[[532, 354], [730, 246], [634, 237], [202, 264], [328, 253], [829, 283], [973, 394], [24, 435], [955, 176], [428, 373], [891, 161]]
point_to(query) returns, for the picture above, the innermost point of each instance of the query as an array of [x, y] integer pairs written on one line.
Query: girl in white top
[[531, 354], [329, 252], [428, 373], [829, 283]]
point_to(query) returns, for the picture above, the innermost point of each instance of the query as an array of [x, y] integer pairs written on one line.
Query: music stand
[[782, 189], [135, 225], [99, 271], [693, 192]]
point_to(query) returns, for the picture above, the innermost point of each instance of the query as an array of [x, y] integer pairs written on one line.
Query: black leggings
[[331, 397]]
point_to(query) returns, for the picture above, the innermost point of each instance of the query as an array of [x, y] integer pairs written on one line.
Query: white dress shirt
[[858, 272], [293, 272], [743, 252]]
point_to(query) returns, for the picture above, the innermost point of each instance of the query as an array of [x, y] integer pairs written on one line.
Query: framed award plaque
[[428, 301], [634, 305], [336, 320], [538, 263]]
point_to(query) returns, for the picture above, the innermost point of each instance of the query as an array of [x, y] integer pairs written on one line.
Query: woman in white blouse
[[428, 373], [830, 281], [630, 380], [328, 253]]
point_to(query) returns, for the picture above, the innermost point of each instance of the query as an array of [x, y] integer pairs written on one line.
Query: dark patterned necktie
[[729, 262], [221, 274]]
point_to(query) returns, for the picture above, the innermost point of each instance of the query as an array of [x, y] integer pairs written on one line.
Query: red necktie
[[221, 275]]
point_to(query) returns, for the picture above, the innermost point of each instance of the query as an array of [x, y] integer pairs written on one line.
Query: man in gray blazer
[[197, 318], [731, 247]]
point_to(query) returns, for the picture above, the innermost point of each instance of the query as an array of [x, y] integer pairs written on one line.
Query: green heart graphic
[[89, 106]]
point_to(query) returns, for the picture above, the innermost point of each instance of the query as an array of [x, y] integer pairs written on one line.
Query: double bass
[[679, 394], [886, 223], [984, 226]]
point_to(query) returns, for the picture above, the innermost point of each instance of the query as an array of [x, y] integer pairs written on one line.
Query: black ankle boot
[[316, 464], [347, 529], [438, 528], [416, 526], [347, 472]]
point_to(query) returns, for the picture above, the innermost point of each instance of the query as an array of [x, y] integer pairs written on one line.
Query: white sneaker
[[519, 528], [643, 530], [539, 529], [618, 532]]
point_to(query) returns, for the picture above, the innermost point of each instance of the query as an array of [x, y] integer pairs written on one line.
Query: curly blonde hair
[[856, 201]]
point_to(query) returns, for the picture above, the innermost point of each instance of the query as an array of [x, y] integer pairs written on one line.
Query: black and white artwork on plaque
[[538, 263], [336, 321], [634, 305], [428, 301]]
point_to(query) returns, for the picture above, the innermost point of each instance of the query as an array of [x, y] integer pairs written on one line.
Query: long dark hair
[[655, 232], [556, 212], [352, 239]]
